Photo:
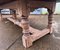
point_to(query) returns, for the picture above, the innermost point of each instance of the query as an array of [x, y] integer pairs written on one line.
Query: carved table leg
[[50, 17], [26, 38]]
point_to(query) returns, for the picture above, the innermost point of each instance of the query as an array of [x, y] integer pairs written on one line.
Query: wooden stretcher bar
[[36, 34]]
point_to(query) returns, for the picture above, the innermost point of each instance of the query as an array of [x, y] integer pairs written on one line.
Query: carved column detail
[[26, 39], [50, 18]]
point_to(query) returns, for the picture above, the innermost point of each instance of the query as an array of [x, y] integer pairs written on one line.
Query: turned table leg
[[26, 39], [50, 18]]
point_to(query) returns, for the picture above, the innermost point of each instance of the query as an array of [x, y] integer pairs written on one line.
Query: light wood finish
[[31, 34], [36, 34], [25, 24]]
